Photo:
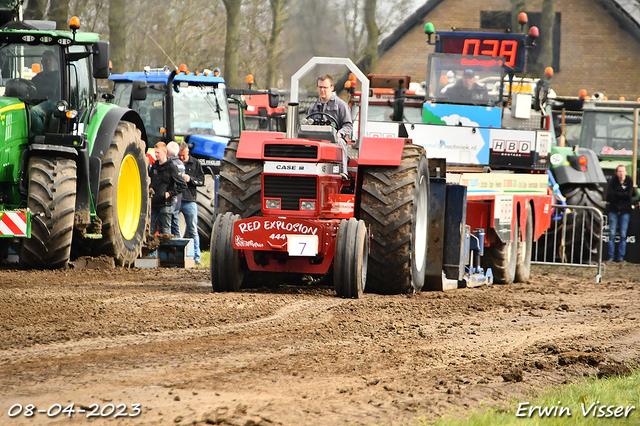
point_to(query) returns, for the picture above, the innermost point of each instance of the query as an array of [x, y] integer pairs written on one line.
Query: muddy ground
[[298, 355]]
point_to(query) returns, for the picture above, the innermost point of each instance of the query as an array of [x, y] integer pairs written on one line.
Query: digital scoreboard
[[510, 47]]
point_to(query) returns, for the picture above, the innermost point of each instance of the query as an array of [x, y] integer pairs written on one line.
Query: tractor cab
[[176, 104], [51, 75], [464, 80]]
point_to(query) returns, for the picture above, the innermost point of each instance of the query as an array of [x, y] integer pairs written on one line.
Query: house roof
[[626, 12]]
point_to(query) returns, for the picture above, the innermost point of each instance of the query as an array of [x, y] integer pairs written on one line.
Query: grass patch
[[599, 398], [205, 257]]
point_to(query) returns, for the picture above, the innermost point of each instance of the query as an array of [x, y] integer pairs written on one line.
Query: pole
[[634, 157]]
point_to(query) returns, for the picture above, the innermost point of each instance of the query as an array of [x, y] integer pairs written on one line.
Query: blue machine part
[[161, 77], [208, 146], [457, 144], [462, 115]]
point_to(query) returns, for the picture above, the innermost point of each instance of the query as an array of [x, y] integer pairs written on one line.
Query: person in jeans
[[193, 176], [620, 191], [166, 184], [172, 152]]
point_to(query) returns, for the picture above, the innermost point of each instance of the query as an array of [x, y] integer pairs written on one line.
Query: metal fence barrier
[[575, 238]]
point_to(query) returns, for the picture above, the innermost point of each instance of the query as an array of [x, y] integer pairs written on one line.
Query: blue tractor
[[194, 107]]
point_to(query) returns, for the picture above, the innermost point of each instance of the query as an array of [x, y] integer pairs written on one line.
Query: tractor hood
[[208, 146], [14, 139]]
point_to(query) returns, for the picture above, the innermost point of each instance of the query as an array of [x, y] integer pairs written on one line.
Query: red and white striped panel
[[13, 224]]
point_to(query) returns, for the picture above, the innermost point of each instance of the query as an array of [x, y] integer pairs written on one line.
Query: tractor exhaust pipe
[[292, 120]]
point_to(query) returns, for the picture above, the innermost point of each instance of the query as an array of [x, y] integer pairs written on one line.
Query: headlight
[[273, 204], [307, 205]]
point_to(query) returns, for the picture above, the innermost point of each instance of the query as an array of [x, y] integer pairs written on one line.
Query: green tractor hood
[[13, 141]]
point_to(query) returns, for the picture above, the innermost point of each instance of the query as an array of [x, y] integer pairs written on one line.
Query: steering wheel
[[325, 119], [24, 87]]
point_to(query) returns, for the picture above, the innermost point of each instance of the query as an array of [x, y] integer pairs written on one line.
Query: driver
[[47, 83], [467, 89], [329, 103], [48, 80]]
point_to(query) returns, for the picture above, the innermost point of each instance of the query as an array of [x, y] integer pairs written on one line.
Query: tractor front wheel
[[502, 259], [351, 258], [523, 266], [226, 271], [52, 201]]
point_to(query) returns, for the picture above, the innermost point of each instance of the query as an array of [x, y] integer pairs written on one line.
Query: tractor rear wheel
[[394, 204], [52, 201], [523, 266], [575, 237], [351, 258], [123, 200], [240, 185], [502, 258], [583, 227], [206, 201], [226, 271]]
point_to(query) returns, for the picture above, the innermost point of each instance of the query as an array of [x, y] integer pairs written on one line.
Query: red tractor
[[288, 208]]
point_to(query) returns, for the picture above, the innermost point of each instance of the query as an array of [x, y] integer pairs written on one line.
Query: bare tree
[[59, 12], [117, 35], [35, 9], [279, 14], [517, 7], [93, 15], [545, 58], [232, 41], [371, 50]]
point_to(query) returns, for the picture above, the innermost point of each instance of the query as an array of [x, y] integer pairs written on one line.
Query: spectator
[[166, 184], [172, 151], [620, 191], [193, 176], [329, 103]]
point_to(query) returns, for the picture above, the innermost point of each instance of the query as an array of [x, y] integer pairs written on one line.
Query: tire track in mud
[[308, 311]]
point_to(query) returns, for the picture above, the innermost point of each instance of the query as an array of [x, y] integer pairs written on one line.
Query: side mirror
[[274, 98], [101, 59], [138, 91]]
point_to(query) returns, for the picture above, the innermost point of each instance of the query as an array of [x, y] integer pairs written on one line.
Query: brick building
[[596, 42]]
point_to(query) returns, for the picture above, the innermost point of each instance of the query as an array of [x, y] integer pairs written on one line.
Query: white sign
[[302, 245], [290, 168]]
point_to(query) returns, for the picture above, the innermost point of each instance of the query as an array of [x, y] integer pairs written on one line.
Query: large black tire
[[206, 201], [123, 199], [581, 226], [240, 185], [584, 228], [351, 258], [523, 266], [394, 204], [502, 258], [52, 201], [226, 271]]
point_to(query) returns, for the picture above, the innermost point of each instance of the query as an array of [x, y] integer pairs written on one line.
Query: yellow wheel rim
[[129, 197]]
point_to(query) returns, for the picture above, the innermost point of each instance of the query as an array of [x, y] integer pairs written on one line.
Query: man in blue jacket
[[193, 176]]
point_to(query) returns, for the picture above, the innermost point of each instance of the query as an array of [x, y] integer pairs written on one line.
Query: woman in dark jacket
[[619, 194]]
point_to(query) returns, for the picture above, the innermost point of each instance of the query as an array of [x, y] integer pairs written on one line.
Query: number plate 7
[[302, 245]]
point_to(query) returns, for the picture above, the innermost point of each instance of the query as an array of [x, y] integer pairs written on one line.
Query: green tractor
[[74, 176]]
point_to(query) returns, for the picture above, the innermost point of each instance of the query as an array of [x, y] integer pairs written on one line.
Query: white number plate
[[302, 245]]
